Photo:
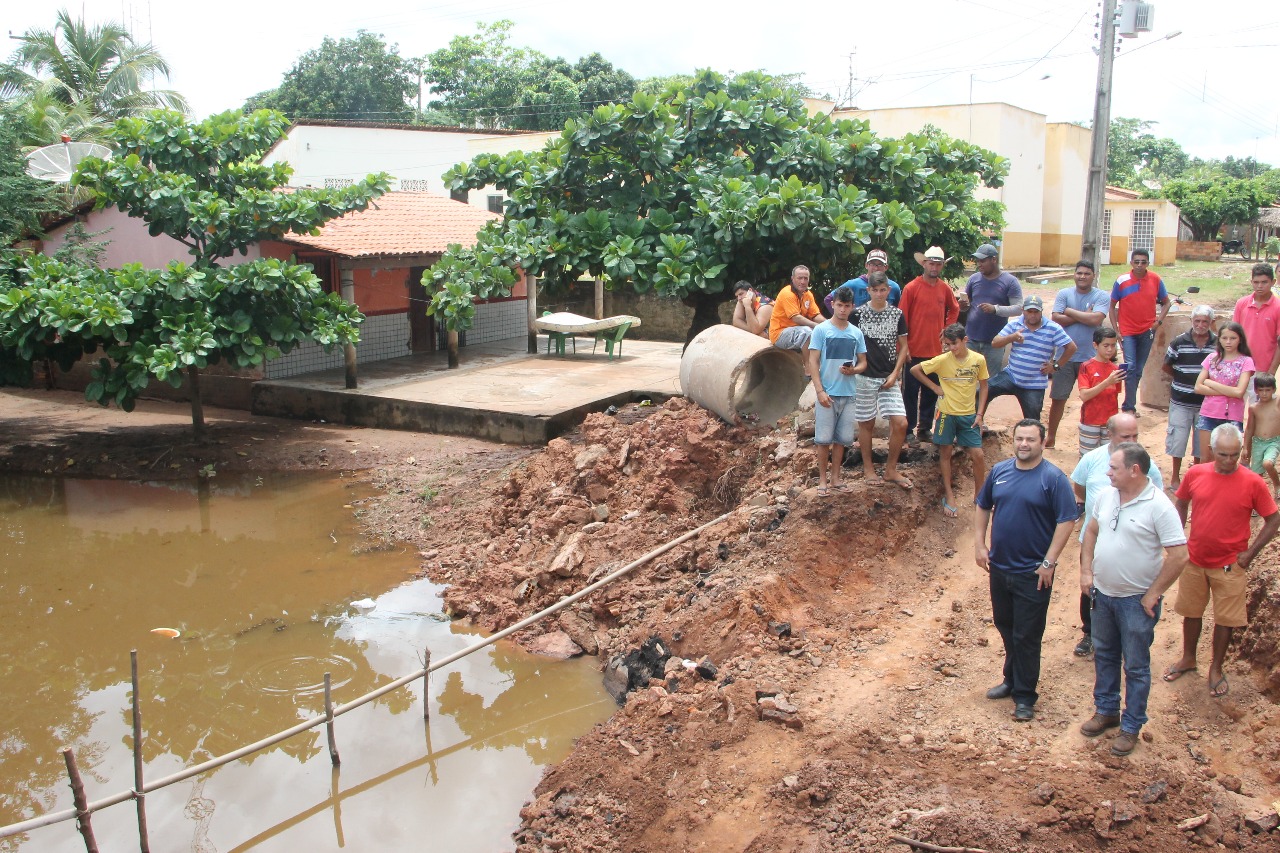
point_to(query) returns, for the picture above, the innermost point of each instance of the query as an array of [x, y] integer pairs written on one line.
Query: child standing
[[837, 353], [962, 385], [1262, 437], [1100, 388], [1224, 380]]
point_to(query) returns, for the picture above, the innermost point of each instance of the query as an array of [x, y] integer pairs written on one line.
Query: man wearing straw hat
[[929, 306]]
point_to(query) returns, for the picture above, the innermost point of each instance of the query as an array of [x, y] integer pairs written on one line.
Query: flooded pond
[[259, 577]]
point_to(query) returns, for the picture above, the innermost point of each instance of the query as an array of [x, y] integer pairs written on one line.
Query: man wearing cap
[[877, 262], [1032, 359], [795, 313], [929, 307], [994, 296], [1134, 298], [1078, 310], [1182, 362]]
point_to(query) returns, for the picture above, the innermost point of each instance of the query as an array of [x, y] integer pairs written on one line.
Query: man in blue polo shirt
[[1028, 505], [1034, 358]]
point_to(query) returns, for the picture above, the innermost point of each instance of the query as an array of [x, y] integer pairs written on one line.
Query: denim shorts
[[1208, 424]]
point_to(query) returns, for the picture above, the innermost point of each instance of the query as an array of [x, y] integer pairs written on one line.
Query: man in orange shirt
[[929, 306], [795, 313]]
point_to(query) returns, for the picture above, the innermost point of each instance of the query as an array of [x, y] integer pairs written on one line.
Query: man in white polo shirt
[[1134, 549]]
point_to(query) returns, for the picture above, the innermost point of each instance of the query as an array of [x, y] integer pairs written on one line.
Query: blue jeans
[[1019, 612], [1122, 633], [1136, 350], [1030, 400]]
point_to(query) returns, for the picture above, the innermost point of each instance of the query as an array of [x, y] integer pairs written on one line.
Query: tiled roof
[[1121, 194], [399, 223]]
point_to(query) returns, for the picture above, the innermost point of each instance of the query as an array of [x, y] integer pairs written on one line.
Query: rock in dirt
[[1155, 792], [1043, 794], [590, 456], [556, 644], [580, 631], [780, 629], [569, 558], [1231, 783], [706, 669], [1262, 821], [628, 672]]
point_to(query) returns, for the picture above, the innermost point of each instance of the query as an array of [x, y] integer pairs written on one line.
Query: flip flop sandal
[[823, 491], [1219, 689], [948, 510], [1172, 674]]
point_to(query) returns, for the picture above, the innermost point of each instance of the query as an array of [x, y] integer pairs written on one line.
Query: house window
[[495, 204], [338, 183], [1143, 233], [413, 185], [1106, 232]]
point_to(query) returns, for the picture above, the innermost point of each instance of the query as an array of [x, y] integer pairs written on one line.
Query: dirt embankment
[[844, 646]]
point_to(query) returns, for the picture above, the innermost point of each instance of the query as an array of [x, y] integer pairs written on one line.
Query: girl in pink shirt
[[1224, 381]]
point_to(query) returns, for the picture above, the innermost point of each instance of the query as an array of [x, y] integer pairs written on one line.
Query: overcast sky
[[1210, 88]]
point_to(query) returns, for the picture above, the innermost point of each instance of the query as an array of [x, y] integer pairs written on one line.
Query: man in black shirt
[[1182, 362]]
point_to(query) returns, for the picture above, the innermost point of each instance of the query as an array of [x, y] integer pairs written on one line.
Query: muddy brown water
[[260, 577]]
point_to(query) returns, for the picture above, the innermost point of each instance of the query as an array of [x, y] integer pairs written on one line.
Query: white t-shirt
[[1128, 559]]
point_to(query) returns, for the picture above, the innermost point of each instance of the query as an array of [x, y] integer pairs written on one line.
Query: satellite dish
[[58, 162]]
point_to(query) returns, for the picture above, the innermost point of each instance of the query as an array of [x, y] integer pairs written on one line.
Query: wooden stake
[[426, 686], [328, 722], [81, 801], [144, 843]]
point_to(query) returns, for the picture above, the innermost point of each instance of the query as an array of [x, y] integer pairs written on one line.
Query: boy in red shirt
[[1134, 297], [1099, 381]]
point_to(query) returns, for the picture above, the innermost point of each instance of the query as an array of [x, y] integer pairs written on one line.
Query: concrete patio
[[499, 392]]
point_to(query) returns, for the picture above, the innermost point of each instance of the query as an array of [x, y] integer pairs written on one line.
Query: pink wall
[[129, 243]]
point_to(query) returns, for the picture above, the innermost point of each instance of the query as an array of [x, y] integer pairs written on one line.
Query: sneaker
[[1003, 690], [1099, 723], [1084, 648], [925, 436], [1027, 713], [1124, 743]]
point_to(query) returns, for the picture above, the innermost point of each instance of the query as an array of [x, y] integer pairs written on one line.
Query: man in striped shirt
[[1033, 358], [1182, 363]]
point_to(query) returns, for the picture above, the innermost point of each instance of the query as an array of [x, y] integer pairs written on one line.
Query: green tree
[[23, 199], [1135, 155], [360, 79], [203, 185], [1211, 201], [686, 192], [78, 79], [486, 81]]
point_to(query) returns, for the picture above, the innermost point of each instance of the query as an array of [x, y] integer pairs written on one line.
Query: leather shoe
[[1003, 690], [1124, 743], [1099, 723], [1023, 713]]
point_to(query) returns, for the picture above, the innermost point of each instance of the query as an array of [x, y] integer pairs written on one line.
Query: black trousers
[[1086, 614], [1020, 612], [921, 402]]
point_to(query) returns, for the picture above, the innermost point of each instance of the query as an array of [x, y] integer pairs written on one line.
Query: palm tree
[[78, 79]]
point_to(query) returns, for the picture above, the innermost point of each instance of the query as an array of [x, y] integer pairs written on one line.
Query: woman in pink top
[[1224, 381]]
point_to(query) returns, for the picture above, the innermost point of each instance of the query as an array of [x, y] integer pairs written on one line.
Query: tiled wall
[[382, 336], [496, 321]]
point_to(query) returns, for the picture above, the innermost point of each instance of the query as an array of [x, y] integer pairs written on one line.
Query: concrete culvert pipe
[[740, 376]]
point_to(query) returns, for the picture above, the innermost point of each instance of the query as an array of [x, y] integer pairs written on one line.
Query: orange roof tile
[[399, 223], [1120, 194]]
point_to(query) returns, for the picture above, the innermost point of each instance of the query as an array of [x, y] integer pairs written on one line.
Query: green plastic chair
[[558, 339], [611, 337]]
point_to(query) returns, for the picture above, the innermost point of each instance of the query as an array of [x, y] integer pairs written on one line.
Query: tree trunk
[[197, 404], [706, 312], [453, 349]]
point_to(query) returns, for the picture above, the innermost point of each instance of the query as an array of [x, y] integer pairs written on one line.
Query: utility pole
[[1095, 194]]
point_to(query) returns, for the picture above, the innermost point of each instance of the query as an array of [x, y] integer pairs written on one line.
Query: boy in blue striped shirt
[[1033, 358]]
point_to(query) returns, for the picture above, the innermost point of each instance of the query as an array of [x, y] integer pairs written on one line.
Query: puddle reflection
[[258, 576]]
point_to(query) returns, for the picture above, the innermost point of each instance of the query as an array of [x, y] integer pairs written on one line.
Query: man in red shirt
[[1134, 297], [929, 306], [1259, 314], [1225, 496]]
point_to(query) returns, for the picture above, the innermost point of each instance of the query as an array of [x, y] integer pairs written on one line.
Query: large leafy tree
[[360, 79], [1214, 199], [484, 80], [1135, 155], [78, 78], [23, 199], [719, 180], [203, 185]]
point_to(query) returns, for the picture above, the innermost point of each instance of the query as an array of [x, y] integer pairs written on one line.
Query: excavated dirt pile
[[808, 674]]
